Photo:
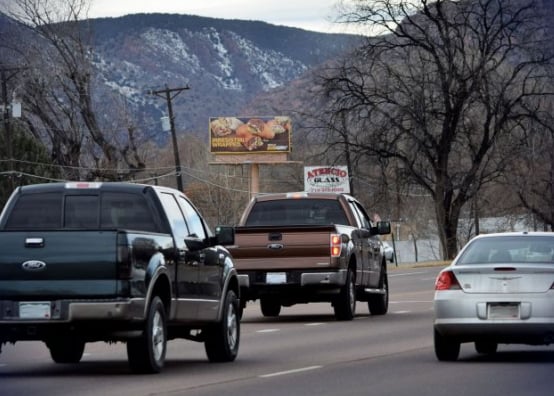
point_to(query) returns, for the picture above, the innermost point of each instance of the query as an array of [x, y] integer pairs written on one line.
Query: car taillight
[[336, 245], [124, 258], [447, 281]]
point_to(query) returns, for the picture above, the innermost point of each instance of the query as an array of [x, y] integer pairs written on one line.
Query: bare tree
[[443, 93], [58, 93], [531, 175]]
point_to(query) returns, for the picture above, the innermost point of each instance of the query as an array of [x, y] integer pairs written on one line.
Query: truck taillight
[[124, 258], [336, 245], [447, 281]]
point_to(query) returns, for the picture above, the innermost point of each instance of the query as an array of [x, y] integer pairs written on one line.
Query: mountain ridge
[[226, 63]]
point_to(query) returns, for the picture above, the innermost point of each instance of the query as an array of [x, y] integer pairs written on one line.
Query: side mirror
[[225, 235], [194, 244], [381, 228]]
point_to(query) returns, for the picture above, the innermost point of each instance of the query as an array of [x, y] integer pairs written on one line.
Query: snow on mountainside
[[225, 63]]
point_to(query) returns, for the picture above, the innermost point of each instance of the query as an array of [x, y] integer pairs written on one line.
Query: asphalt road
[[304, 351]]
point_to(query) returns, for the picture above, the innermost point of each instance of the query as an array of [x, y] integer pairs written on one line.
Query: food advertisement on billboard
[[236, 135], [326, 179]]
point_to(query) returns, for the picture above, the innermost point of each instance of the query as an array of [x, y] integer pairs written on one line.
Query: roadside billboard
[[326, 179], [247, 135]]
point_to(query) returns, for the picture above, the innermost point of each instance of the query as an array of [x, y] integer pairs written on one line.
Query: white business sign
[[326, 179]]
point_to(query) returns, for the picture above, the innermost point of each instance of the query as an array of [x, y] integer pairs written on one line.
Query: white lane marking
[[401, 312], [407, 273], [268, 330], [411, 302], [299, 370], [314, 324]]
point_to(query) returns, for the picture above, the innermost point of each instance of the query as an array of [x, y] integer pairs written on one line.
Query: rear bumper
[[299, 278], [536, 332], [465, 318], [297, 284], [93, 320]]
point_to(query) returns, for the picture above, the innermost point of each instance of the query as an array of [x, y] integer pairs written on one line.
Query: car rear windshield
[[297, 212], [506, 249], [106, 210]]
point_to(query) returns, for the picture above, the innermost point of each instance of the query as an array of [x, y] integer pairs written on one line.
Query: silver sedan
[[498, 290]]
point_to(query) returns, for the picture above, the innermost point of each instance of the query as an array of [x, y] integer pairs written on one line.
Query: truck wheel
[[345, 304], [445, 348], [222, 340], [270, 307], [378, 304], [146, 354], [242, 307], [66, 350]]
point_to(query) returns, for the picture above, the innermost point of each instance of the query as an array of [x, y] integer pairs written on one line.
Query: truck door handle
[[275, 246], [34, 242]]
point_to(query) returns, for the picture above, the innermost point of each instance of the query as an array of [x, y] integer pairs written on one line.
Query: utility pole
[[169, 94], [6, 73]]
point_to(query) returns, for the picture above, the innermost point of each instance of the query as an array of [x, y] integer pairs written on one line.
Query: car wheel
[[345, 304], [270, 307], [222, 340], [486, 348], [66, 350], [378, 304], [446, 349], [146, 354]]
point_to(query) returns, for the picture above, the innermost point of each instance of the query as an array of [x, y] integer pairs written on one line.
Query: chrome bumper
[[62, 311], [323, 278]]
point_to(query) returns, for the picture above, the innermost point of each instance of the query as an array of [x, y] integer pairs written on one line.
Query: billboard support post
[[254, 179]]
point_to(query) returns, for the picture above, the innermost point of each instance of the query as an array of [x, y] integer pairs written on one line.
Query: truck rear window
[[109, 210], [297, 212], [36, 211]]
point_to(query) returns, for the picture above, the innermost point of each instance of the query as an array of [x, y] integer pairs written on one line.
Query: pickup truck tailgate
[[282, 247], [44, 263]]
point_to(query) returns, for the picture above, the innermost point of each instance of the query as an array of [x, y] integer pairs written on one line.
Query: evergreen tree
[[30, 162]]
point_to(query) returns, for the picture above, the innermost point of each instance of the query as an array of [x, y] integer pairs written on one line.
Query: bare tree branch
[[446, 94]]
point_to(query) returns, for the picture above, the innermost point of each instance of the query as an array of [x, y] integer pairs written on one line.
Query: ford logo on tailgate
[[33, 265]]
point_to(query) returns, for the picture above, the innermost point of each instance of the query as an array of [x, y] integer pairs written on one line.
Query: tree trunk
[[448, 216]]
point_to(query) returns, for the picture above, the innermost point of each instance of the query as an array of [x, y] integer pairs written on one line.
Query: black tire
[[345, 303], [446, 349], [222, 340], [486, 348], [378, 304], [66, 350], [270, 307], [242, 307], [146, 354]]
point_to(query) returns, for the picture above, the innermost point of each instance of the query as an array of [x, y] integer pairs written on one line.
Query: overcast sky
[[315, 15]]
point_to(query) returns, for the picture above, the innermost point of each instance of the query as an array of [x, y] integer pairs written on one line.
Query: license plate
[[503, 311], [34, 310], [276, 277]]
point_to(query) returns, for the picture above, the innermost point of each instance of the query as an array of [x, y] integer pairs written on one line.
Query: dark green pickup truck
[[84, 262]]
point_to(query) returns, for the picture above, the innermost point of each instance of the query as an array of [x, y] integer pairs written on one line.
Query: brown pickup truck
[[293, 248]]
